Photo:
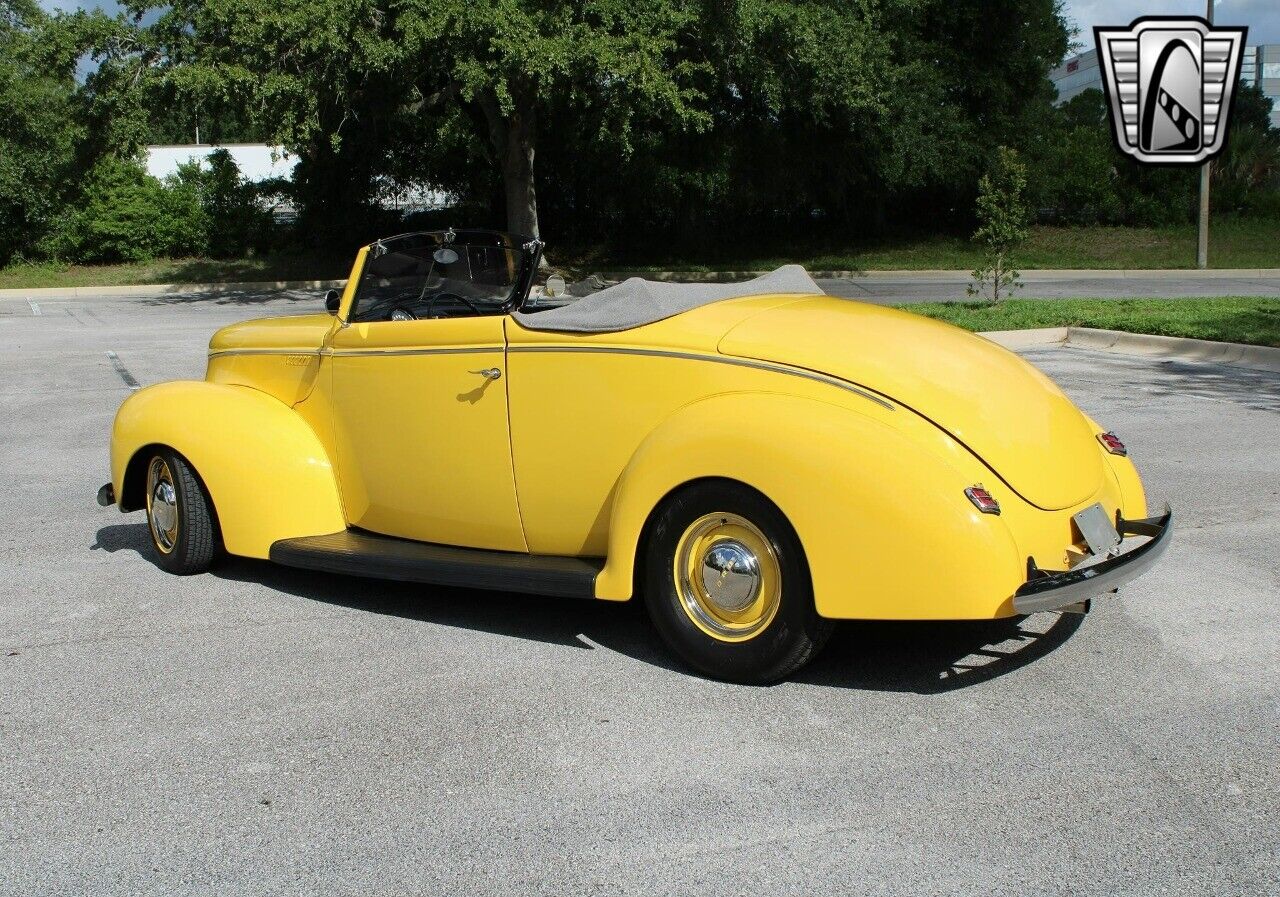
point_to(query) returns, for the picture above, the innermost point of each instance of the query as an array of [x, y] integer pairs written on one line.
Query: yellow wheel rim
[[727, 577], [162, 505]]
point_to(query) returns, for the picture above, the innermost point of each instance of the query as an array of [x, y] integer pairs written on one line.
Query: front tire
[[727, 585], [180, 515]]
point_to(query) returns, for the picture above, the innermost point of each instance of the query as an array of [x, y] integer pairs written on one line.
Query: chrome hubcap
[[727, 578], [162, 505], [730, 575]]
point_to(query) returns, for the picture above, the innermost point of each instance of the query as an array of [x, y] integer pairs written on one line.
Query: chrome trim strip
[[596, 350], [716, 359], [468, 350], [222, 352], [358, 352]]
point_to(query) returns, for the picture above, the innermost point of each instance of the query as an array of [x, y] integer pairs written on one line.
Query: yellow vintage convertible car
[[754, 460]]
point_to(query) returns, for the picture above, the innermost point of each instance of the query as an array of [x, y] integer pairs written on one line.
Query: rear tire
[[180, 515], [727, 585]]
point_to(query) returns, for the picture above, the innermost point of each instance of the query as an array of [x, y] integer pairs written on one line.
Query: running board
[[359, 553]]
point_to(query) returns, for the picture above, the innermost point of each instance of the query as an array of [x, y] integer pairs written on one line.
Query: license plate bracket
[[1098, 530]]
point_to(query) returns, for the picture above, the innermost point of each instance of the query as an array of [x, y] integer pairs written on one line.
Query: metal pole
[[1202, 242]]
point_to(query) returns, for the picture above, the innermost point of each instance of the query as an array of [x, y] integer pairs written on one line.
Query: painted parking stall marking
[[123, 371]]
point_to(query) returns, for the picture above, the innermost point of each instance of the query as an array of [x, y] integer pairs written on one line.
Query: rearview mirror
[[332, 300]]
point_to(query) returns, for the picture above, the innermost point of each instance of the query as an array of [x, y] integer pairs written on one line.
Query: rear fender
[[1133, 496], [265, 470], [882, 517]]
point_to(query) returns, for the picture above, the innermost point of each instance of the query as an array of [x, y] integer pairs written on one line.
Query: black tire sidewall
[[796, 631], [196, 541]]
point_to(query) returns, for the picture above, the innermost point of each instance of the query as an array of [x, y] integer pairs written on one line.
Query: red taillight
[[1111, 442], [982, 500]]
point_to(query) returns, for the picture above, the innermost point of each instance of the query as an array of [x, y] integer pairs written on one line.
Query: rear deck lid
[[1006, 411]]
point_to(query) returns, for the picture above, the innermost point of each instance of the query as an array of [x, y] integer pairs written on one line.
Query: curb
[[144, 291], [1257, 358], [1037, 275]]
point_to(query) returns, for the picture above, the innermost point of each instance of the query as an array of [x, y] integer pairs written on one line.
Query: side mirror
[[332, 300]]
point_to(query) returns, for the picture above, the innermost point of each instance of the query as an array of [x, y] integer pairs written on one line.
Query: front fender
[[265, 470], [879, 509]]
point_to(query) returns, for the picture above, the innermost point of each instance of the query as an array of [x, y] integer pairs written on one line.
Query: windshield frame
[[529, 251]]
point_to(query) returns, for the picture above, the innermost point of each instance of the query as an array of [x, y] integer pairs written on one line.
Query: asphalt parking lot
[[259, 730]]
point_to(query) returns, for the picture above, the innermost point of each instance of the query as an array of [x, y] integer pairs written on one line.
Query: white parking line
[[123, 371], [35, 307]]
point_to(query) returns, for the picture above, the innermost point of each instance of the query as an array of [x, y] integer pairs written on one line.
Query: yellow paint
[[422, 445], [266, 472], [987, 397], [296, 333], [862, 424], [280, 356]]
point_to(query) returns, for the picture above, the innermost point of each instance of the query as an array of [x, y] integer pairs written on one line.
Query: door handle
[[489, 373]]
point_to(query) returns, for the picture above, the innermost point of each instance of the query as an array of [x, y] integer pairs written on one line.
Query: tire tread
[[198, 537]]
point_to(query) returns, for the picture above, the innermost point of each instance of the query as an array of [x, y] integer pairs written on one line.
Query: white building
[[1260, 65], [256, 161]]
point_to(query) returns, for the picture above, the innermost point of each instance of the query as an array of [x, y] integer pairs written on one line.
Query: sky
[[1262, 16]]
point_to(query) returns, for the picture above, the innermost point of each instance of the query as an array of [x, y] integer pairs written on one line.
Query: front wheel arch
[[133, 490], [268, 470]]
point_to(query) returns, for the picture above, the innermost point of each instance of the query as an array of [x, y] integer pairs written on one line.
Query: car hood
[[1004, 410], [300, 333]]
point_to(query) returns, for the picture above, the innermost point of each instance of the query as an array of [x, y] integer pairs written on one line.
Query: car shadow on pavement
[[240, 297], [918, 657]]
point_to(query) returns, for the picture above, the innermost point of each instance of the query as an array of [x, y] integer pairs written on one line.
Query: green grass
[[1235, 319], [1238, 243], [278, 267]]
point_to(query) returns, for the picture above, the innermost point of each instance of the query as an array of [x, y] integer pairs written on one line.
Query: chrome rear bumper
[[1061, 590]]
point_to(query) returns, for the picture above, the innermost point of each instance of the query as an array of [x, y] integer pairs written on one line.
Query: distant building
[[1260, 65], [260, 161], [256, 161], [1077, 75]]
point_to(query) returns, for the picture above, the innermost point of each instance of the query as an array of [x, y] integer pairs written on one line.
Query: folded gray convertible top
[[636, 302]]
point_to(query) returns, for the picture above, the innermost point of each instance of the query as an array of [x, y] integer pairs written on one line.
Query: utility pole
[[1202, 242]]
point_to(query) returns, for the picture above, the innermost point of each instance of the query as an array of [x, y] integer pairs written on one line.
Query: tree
[[1002, 224], [503, 61], [39, 130], [125, 214], [321, 76], [1251, 109], [1247, 176]]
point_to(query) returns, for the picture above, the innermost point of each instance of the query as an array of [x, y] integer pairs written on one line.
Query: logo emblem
[[1170, 83]]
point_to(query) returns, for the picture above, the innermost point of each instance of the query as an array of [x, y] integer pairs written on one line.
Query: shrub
[[127, 215], [234, 219]]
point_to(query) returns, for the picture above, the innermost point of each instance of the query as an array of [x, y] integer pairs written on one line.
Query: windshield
[[441, 275]]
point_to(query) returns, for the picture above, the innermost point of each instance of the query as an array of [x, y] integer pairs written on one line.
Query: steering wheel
[[463, 299]]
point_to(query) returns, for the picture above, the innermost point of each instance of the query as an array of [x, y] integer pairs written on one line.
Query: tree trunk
[[514, 137], [517, 174]]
